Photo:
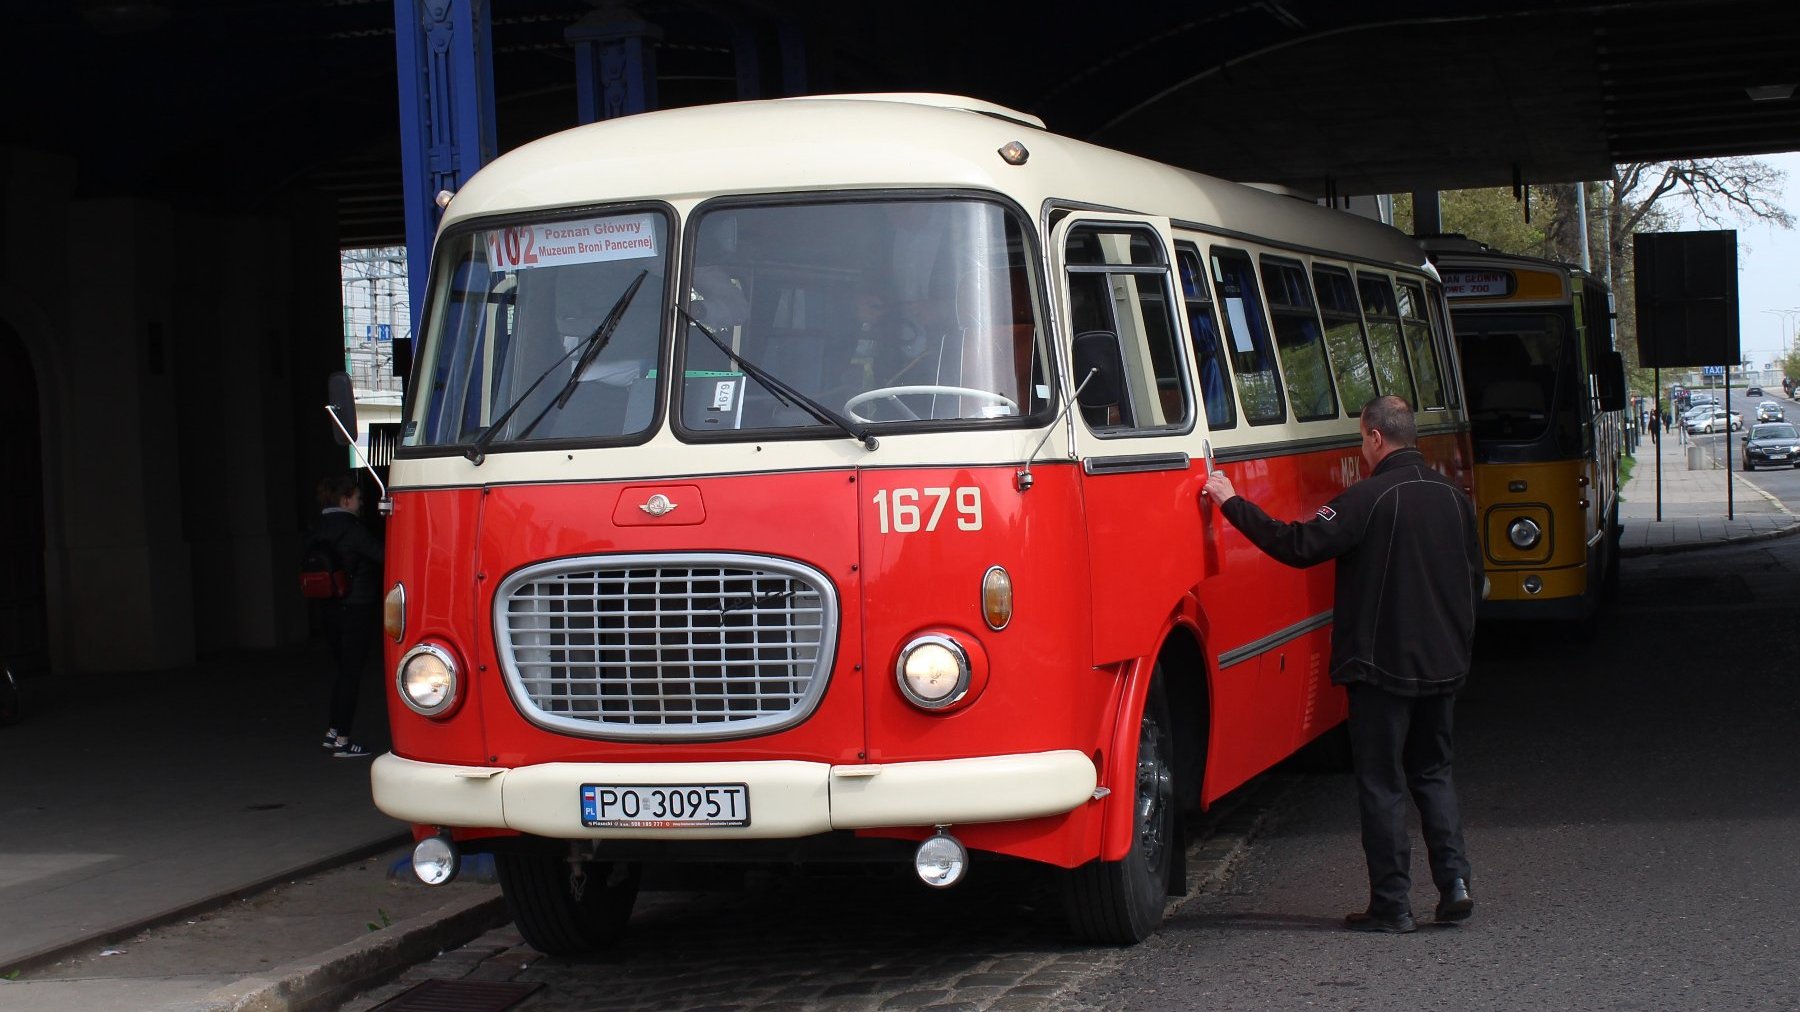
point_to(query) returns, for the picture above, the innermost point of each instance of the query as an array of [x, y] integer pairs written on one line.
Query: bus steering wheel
[[895, 393]]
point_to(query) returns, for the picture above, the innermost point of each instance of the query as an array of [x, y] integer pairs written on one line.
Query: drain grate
[[458, 996]]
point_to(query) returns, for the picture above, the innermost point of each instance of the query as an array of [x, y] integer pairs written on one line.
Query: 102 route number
[[905, 510]]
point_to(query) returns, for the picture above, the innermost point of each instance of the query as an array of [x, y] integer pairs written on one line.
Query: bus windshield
[[895, 313], [514, 338], [1514, 366]]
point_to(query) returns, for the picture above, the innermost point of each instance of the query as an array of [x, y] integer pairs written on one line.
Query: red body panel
[[1040, 693], [1103, 568]]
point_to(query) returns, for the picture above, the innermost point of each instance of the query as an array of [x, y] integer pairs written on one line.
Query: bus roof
[[1461, 249], [849, 142]]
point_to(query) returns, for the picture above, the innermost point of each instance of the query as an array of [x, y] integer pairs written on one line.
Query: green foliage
[[385, 920], [1490, 216]]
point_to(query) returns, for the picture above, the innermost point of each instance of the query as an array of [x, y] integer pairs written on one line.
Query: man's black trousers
[[1401, 745]]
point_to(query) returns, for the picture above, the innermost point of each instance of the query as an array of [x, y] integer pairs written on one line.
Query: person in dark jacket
[[352, 622], [1409, 576]]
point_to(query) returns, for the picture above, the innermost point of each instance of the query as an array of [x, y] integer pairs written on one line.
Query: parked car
[[1714, 420], [1773, 444], [1753, 391], [1769, 411]]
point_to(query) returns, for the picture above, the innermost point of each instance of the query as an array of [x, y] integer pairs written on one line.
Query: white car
[[1714, 420]]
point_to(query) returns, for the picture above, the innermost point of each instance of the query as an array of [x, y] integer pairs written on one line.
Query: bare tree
[[1652, 197]]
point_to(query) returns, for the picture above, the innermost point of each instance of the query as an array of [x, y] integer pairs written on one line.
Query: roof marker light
[[1014, 153]]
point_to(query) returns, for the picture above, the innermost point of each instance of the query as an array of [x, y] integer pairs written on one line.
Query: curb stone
[[315, 982]]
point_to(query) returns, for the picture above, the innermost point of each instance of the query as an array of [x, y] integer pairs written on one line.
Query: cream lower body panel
[[787, 798]]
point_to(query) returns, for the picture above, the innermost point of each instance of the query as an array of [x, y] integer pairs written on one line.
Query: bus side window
[[1247, 335], [1298, 338], [1215, 374], [1119, 283], [1415, 326], [1345, 337], [1383, 317]]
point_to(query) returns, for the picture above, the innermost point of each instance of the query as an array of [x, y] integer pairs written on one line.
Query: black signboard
[[1687, 298]]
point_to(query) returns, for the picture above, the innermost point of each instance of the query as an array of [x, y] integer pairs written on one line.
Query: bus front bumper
[[786, 798]]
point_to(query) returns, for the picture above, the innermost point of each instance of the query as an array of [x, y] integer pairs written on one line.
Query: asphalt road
[[1632, 810], [1781, 482]]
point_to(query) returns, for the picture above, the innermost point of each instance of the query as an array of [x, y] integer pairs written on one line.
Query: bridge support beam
[[1428, 217], [615, 64], [444, 55]]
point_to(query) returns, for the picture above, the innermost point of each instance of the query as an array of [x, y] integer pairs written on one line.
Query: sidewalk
[[1693, 502], [199, 802]]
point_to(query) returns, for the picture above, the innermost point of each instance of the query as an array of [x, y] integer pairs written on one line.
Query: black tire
[[1748, 467], [1609, 587], [1121, 902], [546, 911]]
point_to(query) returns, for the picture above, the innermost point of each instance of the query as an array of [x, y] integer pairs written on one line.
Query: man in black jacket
[[1408, 579]]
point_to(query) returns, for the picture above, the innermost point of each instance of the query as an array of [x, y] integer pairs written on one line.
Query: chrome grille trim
[[666, 647]]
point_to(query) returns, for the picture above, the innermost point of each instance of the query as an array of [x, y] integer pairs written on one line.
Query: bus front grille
[[663, 647]]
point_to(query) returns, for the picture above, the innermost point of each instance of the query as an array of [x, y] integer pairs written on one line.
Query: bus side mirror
[[1098, 366], [340, 400], [1612, 381]]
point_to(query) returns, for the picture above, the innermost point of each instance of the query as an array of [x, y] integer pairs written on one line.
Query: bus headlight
[[427, 679], [1524, 533], [933, 671]]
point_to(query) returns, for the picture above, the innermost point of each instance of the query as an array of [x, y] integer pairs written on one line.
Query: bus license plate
[[665, 806]]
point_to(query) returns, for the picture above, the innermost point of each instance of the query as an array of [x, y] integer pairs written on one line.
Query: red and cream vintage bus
[[819, 477]]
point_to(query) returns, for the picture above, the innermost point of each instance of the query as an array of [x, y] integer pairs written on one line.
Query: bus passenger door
[[1137, 430]]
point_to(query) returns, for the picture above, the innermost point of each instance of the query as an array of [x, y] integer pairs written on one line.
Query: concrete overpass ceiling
[[237, 104]]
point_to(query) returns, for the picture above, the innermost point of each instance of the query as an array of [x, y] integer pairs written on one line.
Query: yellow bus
[[1546, 395]]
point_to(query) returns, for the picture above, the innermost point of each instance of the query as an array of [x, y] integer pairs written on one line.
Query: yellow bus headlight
[[1524, 533]]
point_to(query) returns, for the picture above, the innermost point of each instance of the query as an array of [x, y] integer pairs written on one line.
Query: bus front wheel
[[559, 916], [1121, 902]]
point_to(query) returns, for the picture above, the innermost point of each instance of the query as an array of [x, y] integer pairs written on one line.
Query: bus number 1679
[[902, 511]]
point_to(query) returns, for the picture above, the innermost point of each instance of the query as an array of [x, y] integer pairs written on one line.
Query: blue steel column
[[444, 55], [615, 65]]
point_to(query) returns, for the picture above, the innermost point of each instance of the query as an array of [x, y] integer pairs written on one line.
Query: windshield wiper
[[783, 390], [589, 350]]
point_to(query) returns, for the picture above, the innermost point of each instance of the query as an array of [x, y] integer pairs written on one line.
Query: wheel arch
[[1186, 678]]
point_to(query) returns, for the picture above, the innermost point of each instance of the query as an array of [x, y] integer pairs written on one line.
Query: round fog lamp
[[933, 671], [941, 861], [1524, 533], [434, 860], [427, 679]]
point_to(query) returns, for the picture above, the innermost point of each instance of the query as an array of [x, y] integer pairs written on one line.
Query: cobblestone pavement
[[843, 941]]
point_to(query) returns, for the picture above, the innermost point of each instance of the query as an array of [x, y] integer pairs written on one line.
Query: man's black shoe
[[1394, 924], [1455, 903]]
